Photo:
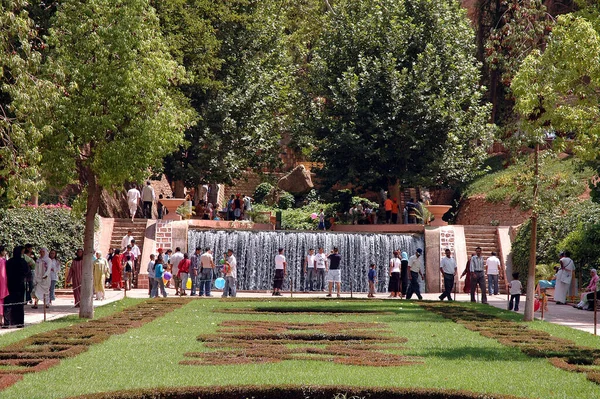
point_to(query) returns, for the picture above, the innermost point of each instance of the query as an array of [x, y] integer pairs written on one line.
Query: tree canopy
[[397, 95]]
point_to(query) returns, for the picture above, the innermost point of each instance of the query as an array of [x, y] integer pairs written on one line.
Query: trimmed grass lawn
[[453, 357]]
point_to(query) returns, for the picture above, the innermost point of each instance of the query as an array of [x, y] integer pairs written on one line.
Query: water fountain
[[255, 252]]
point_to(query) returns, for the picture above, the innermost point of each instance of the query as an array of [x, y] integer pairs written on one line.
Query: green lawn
[[453, 357]]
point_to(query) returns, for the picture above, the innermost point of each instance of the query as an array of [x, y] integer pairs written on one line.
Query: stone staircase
[[485, 237], [120, 228]]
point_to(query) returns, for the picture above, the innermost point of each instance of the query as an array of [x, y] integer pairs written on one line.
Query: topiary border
[[561, 353], [42, 351], [291, 392]]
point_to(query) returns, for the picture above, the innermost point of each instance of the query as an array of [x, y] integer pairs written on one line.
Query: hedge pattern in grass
[[310, 310], [560, 352], [42, 351], [291, 392], [242, 342]]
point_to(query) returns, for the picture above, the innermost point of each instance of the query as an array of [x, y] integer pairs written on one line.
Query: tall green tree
[[119, 110], [21, 94], [559, 89], [240, 85], [397, 95]]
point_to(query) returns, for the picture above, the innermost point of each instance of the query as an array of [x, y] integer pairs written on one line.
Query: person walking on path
[[563, 281], [394, 284], [74, 276], [101, 270], [158, 282], [467, 275], [448, 270], [41, 279], [321, 264], [17, 271], [515, 288], [55, 267], [133, 200], [334, 275], [207, 268], [148, 198], [151, 273], [404, 272], [478, 276], [280, 271], [310, 270], [415, 263], [126, 241], [492, 267]]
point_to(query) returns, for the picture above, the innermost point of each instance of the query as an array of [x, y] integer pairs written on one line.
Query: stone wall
[[478, 211]]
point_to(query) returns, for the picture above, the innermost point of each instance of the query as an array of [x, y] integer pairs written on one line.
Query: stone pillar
[[432, 260]]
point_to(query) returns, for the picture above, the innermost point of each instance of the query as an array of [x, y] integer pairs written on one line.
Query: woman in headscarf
[[74, 276], [41, 278], [564, 277], [17, 271], [404, 272], [583, 304], [101, 270], [3, 286]]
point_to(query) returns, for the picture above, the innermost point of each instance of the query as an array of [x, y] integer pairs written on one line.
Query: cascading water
[[255, 253]]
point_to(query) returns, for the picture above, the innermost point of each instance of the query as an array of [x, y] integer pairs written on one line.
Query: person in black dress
[[17, 271]]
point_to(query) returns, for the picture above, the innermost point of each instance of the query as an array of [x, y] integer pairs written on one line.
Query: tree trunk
[[179, 191], [529, 311], [86, 307]]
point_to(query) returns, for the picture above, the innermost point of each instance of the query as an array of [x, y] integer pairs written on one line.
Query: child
[[372, 274], [128, 272], [515, 289]]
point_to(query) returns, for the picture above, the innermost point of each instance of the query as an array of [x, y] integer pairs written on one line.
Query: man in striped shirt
[[478, 275]]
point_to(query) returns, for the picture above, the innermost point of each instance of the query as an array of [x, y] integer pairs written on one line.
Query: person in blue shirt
[[158, 278], [372, 274]]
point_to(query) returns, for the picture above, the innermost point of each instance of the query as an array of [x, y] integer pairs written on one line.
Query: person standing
[[151, 273], [310, 269], [74, 276], [563, 281], [448, 271], [280, 271], [478, 276], [3, 282], [492, 267], [321, 220], [17, 271], [195, 270], [230, 270], [388, 205], [174, 261], [415, 264], [137, 256], [404, 272], [372, 274], [29, 258], [126, 241], [101, 270], [159, 207], [395, 211], [411, 210], [148, 198], [231, 208], [117, 270], [133, 200], [54, 271], [184, 273], [515, 289], [207, 267], [321, 265], [467, 275], [334, 275], [41, 279], [247, 206], [158, 282], [394, 283]]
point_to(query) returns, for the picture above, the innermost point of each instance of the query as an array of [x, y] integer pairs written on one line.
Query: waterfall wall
[[255, 253]]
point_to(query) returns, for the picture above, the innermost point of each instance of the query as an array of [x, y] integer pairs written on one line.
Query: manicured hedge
[[291, 392]]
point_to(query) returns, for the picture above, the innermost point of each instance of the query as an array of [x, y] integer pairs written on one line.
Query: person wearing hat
[[415, 264]]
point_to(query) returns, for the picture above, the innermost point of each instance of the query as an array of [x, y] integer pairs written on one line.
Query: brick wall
[[164, 235], [478, 211]]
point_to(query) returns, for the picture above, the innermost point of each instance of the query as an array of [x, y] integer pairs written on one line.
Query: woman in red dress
[[117, 270]]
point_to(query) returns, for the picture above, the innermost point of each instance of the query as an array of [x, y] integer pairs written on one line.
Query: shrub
[[262, 190], [286, 200]]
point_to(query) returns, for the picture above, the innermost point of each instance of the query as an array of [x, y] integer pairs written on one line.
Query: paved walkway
[[560, 314]]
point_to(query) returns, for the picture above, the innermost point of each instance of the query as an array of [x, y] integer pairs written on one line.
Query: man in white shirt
[[310, 269], [137, 253], [148, 198], [230, 275], [126, 240], [133, 199], [280, 270], [175, 259], [321, 269], [492, 266], [415, 264], [207, 267], [448, 270]]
